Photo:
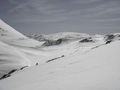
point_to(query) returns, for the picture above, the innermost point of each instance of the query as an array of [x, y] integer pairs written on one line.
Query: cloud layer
[[50, 16]]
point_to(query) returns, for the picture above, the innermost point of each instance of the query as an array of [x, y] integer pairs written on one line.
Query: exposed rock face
[[111, 37], [52, 42], [87, 40]]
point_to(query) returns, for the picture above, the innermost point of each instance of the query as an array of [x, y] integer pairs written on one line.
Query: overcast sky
[[52, 16]]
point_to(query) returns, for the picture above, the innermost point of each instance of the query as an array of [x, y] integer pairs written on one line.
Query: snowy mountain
[[60, 61], [14, 49]]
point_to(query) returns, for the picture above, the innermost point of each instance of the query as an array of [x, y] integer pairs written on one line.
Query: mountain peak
[[7, 31]]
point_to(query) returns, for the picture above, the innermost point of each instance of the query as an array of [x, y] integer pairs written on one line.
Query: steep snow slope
[[10, 36], [15, 49], [7, 31], [98, 69]]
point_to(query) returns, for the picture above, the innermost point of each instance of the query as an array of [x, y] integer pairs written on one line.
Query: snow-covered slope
[[10, 36], [61, 61], [98, 69], [15, 49]]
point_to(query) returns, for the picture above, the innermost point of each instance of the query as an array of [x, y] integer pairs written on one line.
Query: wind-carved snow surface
[[61, 61]]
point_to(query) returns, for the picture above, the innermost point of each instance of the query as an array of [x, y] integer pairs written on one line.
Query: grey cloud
[[85, 1], [60, 15], [41, 8], [13, 1]]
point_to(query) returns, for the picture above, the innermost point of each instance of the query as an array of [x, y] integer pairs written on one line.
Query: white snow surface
[[15, 49], [83, 62]]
